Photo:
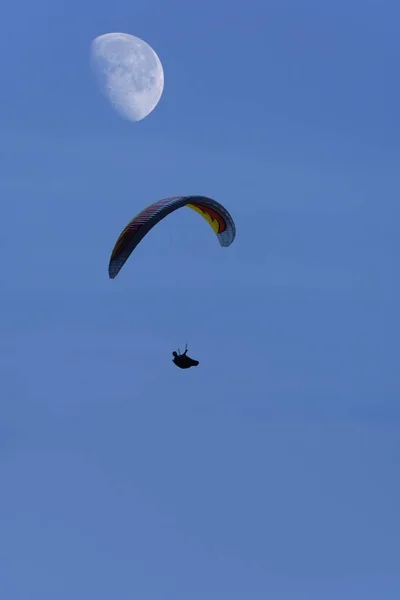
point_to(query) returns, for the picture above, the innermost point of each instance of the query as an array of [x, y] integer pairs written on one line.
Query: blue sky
[[272, 470]]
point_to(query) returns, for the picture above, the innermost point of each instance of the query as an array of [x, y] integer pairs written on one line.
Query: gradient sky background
[[272, 470]]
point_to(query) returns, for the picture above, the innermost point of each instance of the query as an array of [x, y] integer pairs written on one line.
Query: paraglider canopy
[[214, 213]]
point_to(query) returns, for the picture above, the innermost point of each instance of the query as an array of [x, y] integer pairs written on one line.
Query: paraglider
[[214, 213], [183, 361]]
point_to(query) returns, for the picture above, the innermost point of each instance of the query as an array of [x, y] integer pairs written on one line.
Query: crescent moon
[[129, 74]]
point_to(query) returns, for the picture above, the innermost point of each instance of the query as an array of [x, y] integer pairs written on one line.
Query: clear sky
[[272, 470]]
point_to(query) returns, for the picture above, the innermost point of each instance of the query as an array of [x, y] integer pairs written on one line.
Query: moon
[[129, 74]]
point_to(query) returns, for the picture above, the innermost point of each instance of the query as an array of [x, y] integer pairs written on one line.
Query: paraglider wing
[[214, 213]]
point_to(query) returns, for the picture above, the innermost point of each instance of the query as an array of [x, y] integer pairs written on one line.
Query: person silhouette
[[183, 361]]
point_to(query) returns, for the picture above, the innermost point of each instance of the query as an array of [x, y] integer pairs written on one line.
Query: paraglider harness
[[183, 361]]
